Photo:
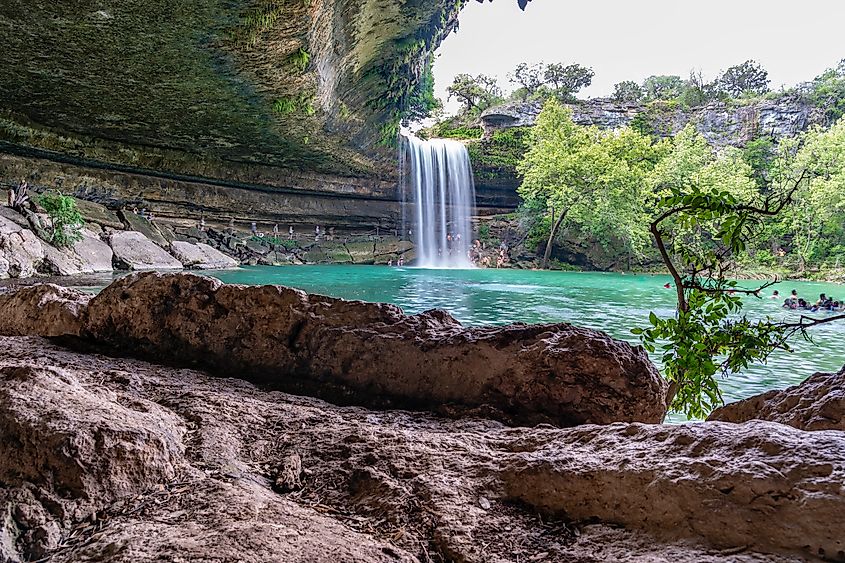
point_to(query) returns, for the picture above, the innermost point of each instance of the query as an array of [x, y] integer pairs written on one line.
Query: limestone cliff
[[495, 156], [719, 122]]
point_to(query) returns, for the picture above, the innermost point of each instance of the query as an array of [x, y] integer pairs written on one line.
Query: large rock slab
[[135, 222], [88, 255], [99, 214], [818, 403], [96, 255], [67, 450], [368, 353], [361, 252], [43, 310], [201, 256], [62, 261], [265, 476], [134, 251]]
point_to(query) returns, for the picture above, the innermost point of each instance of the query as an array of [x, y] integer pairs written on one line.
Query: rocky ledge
[[105, 459], [107, 242], [353, 352]]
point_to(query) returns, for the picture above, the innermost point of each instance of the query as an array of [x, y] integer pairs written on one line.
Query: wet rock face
[[816, 404], [188, 467], [368, 353]]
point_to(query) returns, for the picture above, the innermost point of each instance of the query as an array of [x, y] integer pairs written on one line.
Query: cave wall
[[347, 204], [296, 84], [263, 108]]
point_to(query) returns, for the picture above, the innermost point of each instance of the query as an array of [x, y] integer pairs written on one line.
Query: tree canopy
[[475, 92], [744, 79], [706, 210], [587, 177]]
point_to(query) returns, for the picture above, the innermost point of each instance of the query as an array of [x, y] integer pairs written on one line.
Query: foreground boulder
[[183, 467], [816, 404], [65, 445], [134, 251], [367, 353]]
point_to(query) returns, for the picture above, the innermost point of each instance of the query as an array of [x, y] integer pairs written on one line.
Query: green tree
[[709, 336], [827, 91], [696, 92], [691, 161], [567, 80], [759, 154], [711, 209], [628, 92], [662, 87], [65, 220], [528, 77], [586, 176], [476, 93], [814, 222], [748, 78]]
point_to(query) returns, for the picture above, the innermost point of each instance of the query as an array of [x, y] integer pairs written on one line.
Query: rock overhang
[[309, 85]]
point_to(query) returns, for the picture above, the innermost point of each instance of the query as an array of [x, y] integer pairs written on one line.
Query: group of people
[[399, 261], [824, 303], [319, 233], [477, 257]]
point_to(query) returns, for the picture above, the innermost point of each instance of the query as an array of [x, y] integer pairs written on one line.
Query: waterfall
[[442, 201]]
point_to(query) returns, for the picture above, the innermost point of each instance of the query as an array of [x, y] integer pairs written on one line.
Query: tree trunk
[[555, 227]]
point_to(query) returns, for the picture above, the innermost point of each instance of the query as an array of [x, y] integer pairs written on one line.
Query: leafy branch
[[708, 335]]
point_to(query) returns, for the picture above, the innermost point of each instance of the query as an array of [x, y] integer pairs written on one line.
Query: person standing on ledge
[[290, 232]]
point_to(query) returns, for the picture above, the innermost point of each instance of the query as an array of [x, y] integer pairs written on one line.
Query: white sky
[[630, 40]]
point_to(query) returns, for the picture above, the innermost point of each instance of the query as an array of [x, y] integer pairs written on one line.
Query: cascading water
[[442, 201]]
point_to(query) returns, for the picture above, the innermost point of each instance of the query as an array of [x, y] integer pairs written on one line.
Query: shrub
[[66, 222]]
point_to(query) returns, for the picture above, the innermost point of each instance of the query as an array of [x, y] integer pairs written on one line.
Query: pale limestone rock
[[134, 251], [201, 256], [96, 255], [19, 248]]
